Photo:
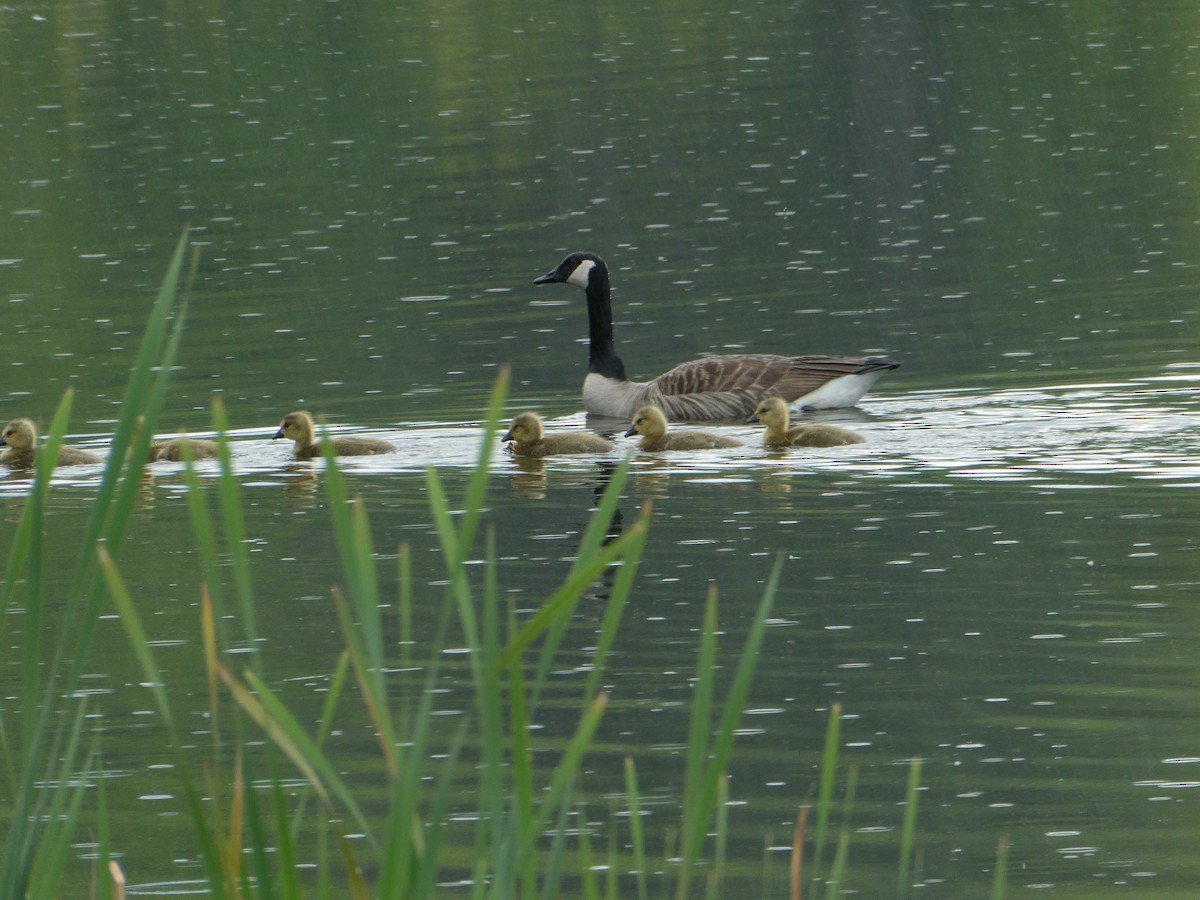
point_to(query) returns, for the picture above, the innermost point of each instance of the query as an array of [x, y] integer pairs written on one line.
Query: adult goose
[[298, 427], [526, 436], [773, 413], [714, 387], [651, 424], [20, 440]]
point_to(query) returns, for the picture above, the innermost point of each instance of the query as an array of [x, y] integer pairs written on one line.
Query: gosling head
[[526, 428], [649, 422], [772, 412], [578, 269], [18, 434], [296, 426]]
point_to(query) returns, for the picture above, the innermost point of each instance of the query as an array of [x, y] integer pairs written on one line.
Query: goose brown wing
[[731, 386]]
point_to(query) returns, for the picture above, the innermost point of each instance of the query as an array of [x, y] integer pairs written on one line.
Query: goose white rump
[[714, 387]]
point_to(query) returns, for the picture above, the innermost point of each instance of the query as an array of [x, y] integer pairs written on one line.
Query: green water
[[1002, 197]]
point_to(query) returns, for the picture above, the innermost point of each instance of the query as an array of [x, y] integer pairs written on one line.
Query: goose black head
[[576, 269]]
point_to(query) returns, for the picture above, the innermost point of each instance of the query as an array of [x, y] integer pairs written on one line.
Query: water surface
[[1002, 197]]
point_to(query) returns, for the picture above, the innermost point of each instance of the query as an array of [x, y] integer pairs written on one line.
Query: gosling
[[773, 412], [172, 450], [651, 424], [21, 440], [298, 426], [527, 437]]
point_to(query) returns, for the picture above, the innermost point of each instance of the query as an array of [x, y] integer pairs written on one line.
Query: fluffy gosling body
[[526, 436], [20, 438], [773, 412], [298, 427], [651, 424], [172, 450]]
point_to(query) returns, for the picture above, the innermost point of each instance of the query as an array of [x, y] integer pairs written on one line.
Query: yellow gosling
[[651, 424], [20, 438], [172, 450], [298, 427], [527, 437], [773, 412]]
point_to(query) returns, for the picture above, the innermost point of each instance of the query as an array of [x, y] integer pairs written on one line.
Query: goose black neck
[[602, 354]]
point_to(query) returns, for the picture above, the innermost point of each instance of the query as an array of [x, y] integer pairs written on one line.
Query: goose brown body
[[773, 413], [20, 439], [651, 424], [714, 387], [298, 427], [172, 450], [526, 436]]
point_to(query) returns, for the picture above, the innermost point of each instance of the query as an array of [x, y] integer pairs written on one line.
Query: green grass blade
[[523, 829], [260, 847], [138, 640], [837, 871], [705, 792], [700, 730], [552, 864], [717, 878], [480, 477], [285, 841], [599, 528], [567, 769], [908, 830], [352, 534], [370, 682], [144, 393], [571, 590], [104, 882], [233, 520], [828, 780], [594, 536], [204, 534], [427, 872], [1000, 876], [587, 868], [260, 703], [614, 611], [637, 837], [61, 812], [405, 604]]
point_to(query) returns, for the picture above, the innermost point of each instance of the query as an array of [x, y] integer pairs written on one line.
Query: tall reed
[[253, 827]]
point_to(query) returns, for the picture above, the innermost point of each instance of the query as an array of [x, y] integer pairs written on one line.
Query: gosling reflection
[[529, 480], [300, 485]]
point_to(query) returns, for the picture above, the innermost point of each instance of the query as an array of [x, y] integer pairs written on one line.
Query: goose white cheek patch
[[579, 277]]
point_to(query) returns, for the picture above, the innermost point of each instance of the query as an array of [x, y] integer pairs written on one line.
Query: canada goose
[[714, 387], [172, 450], [298, 426], [527, 437], [773, 413], [21, 440], [651, 424]]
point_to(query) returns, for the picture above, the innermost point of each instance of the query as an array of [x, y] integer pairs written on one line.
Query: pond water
[[1000, 196]]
